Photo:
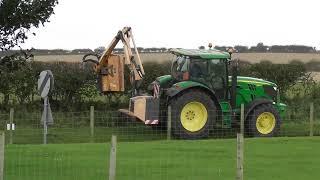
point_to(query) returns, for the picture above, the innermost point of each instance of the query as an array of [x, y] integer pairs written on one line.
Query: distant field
[[148, 57], [277, 57], [162, 57], [265, 158]]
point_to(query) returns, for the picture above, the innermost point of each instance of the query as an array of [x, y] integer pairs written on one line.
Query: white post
[[242, 120], [169, 123], [45, 127], [2, 144], [239, 156], [11, 125], [311, 118], [113, 158], [92, 123], [240, 144]]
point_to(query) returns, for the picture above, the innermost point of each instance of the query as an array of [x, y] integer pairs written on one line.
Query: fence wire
[[78, 150]]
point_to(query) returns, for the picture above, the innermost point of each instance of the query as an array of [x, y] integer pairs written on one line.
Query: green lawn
[[135, 132], [265, 158]]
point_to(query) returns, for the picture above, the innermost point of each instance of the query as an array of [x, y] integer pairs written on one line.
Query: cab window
[[198, 69], [217, 73]]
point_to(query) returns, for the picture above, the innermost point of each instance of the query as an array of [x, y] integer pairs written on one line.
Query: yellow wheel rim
[[193, 116], [265, 123]]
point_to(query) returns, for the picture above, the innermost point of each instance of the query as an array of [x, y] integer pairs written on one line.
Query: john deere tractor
[[203, 91], [202, 94]]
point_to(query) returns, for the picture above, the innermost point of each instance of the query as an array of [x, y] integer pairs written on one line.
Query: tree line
[[98, 50], [260, 48]]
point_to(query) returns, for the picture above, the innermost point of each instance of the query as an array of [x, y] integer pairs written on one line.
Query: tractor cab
[[208, 67]]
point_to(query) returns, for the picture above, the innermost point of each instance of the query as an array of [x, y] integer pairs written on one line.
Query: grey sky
[[181, 23]]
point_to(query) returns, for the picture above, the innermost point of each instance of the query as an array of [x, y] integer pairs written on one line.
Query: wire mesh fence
[[79, 144]]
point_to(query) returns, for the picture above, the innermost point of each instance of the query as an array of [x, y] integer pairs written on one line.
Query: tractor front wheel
[[263, 121], [193, 115]]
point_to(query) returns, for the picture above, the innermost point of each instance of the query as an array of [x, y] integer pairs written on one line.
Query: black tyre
[[193, 115], [263, 121]]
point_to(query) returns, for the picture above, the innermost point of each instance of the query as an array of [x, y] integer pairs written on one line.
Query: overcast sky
[[181, 23]]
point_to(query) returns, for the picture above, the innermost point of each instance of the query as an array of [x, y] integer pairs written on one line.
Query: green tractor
[[203, 95], [202, 91]]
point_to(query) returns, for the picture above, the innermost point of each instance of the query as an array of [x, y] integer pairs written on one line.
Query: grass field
[[268, 158], [162, 57], [136, 133]]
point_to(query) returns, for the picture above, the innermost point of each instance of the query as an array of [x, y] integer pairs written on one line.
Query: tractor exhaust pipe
[[234, 86], [234, 69]]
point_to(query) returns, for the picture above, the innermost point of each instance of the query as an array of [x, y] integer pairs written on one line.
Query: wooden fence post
[[311, 118], [169, 123], [2, 145], [242, 120], [113, 158], [92, 123], [240, 145], [240, 142], [11, 117]]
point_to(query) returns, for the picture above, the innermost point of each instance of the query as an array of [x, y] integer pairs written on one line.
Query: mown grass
[[265, 158], [83, 135]]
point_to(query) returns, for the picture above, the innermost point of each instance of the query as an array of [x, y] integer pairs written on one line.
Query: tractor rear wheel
[[263, 121], [193, 115]]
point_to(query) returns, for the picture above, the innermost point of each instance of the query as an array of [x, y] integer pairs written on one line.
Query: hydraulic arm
[[109, 67]]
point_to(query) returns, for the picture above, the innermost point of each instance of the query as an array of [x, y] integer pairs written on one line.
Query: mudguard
[[179, 87], [184, 85], [250, 106]]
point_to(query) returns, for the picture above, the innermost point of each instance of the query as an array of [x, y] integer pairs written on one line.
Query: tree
[[17, 17], [201, 47], [259, 48], [163, 49], [241, 49], [284, 75], [221, 48], [81, 51], [99, 50], [16, 77]]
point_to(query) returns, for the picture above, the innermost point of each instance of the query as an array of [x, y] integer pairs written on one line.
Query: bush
[[284, 75], [75, 84]]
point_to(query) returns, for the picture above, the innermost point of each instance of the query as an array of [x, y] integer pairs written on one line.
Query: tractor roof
[[202, 53]]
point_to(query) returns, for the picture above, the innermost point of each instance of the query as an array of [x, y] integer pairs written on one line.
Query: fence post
[[2, 144], [113, 158], [92, 123], [311, 118], [169, 123], [240, 142], [11, 117], [242, 120]]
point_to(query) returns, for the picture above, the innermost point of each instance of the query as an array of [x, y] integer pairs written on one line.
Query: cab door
[[217, 77]]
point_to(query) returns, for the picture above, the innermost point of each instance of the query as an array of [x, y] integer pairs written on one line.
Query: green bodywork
[[249, 89]]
